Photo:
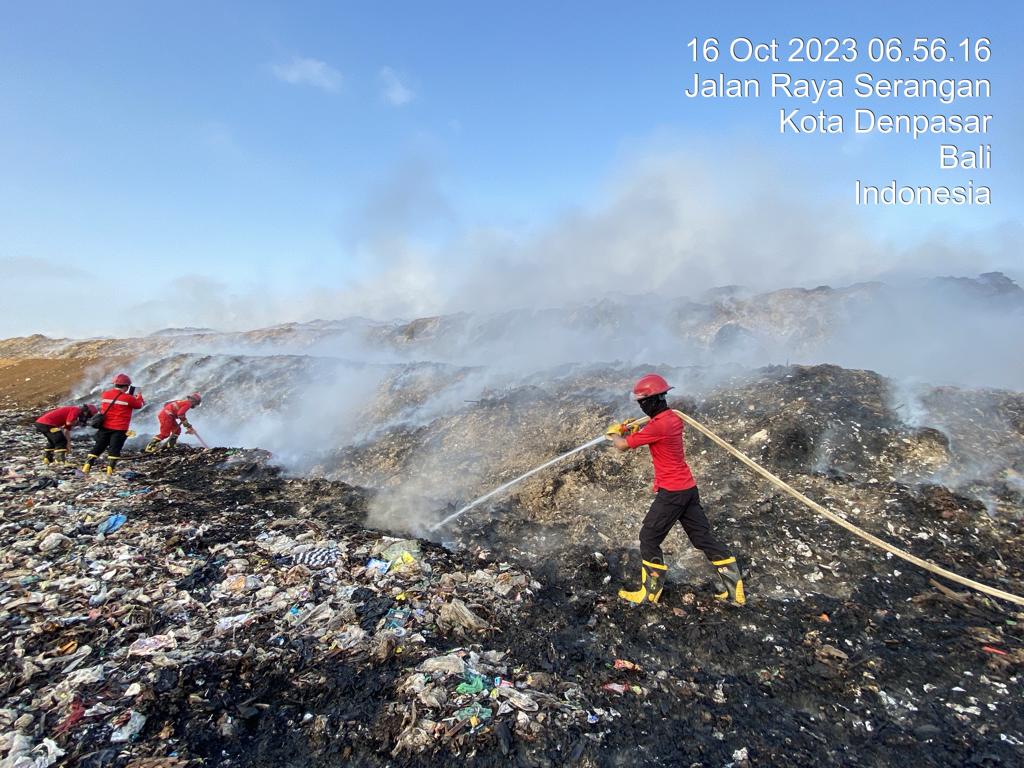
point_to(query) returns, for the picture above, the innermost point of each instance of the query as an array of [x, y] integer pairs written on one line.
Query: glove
[[623, 429], [189, 431], [55, 429]]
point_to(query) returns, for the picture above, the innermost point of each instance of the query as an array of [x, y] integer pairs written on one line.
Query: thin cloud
[[393, 90], [302, 71]]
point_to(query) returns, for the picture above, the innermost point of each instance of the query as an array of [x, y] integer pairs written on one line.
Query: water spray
[[778, 483], [510, 483]]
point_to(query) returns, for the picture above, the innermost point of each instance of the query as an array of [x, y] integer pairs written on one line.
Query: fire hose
[[192, 431], [778, 483], [816, 507]]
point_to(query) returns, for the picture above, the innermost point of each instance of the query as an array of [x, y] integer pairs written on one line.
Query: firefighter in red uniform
[[172, 418], [676, 497], [56, 426], [116, 406]]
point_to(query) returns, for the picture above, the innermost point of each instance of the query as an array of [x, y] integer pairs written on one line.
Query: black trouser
[[111, 440], [684, 506], [55, 439]]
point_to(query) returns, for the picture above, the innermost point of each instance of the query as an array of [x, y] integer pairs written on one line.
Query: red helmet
[[122, 380], [650, 385], [196, 398]]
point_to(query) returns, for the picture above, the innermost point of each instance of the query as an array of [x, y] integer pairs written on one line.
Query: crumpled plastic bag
[[111, 524], [22, 754], [147, 646], [455, 616], [518, 699], [445, 665], [230, 623], [129, 729]]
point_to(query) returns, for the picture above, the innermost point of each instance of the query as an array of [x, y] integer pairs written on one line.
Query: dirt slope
[[37, 383]]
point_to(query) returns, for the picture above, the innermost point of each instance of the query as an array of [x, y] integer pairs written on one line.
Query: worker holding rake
[[677, 498], [171, 419]]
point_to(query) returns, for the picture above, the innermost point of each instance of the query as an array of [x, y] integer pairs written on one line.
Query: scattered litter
[[243, 603]]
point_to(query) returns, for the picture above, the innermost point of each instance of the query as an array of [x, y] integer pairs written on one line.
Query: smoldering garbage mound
[[235, 616]]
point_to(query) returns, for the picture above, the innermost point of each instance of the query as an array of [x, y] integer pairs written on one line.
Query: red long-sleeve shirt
[[176, 409], [65, 417], [119, 415], [664, 436]]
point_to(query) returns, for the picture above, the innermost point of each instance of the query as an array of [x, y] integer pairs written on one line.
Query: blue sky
[[246, 162]]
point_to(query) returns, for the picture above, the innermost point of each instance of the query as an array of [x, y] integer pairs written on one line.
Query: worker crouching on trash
[[56, 426], [171, 419], [116, 407], [677, 498]]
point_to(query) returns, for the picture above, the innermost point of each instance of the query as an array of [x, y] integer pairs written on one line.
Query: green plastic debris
[[475, 713], [474, 684]]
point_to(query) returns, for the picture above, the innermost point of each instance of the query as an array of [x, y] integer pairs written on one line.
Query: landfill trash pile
[[205, 608], [724, 326]]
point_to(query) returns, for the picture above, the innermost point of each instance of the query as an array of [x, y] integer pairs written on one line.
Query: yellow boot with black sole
[[652, 581], [732, 579]]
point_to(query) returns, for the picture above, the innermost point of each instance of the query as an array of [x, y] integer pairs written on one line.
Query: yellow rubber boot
[[732, 580], [154, 445], [112, 463], [60, 456], [47, 456], [88, 462], [652, 581]]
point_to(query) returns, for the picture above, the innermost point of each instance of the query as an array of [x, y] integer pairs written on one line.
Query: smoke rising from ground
[[633, 280], [450, 400]]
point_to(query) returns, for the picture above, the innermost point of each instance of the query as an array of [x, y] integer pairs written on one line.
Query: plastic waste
[[396, 618], [518, 699], [475, 713], [474, 684], [316, 558], [445, 665], [147, 646], [129, 729], [111, 524], [230, 623]]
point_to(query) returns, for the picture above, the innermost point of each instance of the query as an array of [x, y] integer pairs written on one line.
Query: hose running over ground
[[814, 506], [778, 483]]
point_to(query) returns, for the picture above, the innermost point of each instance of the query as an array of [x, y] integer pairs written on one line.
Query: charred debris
[[204, 608]]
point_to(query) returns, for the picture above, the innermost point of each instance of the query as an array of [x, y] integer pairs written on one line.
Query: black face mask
[[652, 406]]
